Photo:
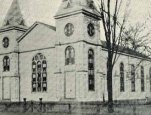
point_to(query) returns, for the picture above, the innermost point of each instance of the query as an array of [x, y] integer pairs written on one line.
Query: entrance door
[[70, 86], [6, 88]]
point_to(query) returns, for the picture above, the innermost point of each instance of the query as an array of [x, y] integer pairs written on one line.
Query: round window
[[69, 29], [91, 29], [5, 42]]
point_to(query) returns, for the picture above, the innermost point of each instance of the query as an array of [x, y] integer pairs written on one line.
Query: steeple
[[14, 16]]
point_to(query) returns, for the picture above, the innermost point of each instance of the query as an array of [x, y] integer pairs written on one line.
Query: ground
[[119, 110]]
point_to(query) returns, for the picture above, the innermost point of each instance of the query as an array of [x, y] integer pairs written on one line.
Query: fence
[[50, 107], [124, 108]]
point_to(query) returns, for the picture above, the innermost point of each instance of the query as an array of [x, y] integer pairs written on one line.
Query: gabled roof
[[14, 16], [32, 27]]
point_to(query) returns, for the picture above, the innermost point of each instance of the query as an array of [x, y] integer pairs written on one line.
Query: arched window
[[122, 77], [142, 79], [91, 80], [39, 73], [5, 42], [150, 77], [69, 55], [132, 78], [6, 63]]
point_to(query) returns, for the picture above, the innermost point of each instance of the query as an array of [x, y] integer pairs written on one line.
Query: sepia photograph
[[75, 57]]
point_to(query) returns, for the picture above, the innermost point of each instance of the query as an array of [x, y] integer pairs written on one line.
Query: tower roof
[[69, 6], [14, 16]]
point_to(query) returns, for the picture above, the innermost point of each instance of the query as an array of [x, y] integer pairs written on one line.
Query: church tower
[[77, 17], [13, 27], [78, 45]]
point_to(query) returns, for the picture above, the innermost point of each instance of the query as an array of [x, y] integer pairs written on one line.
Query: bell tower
[[77, 20], [77, 31], [13, 27]]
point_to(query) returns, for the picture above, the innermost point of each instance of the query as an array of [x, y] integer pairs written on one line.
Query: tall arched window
[[150, 77], [69, 55], [132, 78], [122, 77], [91, 80], [39, 73], [6, 63], [142, 79]]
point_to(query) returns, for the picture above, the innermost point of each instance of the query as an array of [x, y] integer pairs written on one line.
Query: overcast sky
[[44, 10]]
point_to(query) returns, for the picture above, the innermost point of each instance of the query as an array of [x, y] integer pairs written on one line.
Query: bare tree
[[136, 38], [118, 38], [113, 26]]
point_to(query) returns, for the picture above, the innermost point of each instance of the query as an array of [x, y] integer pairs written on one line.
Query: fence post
[[25, 105], [98, 108], [44, 107], [40, 104], [69, 108], [32, 107], [134, 109]]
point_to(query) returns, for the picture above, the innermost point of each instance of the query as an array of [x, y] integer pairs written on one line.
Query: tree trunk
[[109, 84]]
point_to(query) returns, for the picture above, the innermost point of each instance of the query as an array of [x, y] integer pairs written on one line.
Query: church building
[[66, 62]]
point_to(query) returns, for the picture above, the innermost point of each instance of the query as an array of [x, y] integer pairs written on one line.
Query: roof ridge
[[49, 26], [127, 50]]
